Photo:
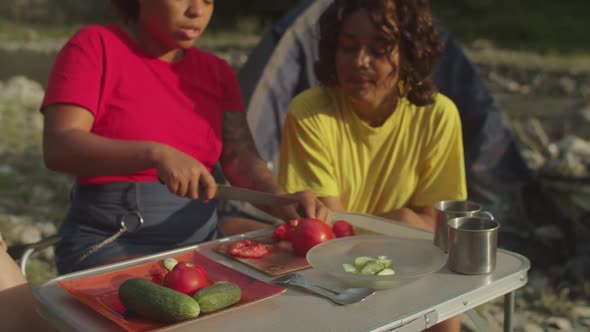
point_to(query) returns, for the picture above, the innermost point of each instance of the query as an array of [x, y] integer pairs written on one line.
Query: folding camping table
[[411, 306]]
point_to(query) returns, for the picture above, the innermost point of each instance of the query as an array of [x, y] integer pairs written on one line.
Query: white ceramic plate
[[411, 258]]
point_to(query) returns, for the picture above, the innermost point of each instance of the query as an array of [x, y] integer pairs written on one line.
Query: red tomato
[[283, 232], [308, 233], [186, 278], [342, 228], [293, 223], [280, 232], [248, 249], [198, 267]]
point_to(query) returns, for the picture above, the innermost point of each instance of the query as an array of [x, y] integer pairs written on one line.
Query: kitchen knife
[[225, 192]]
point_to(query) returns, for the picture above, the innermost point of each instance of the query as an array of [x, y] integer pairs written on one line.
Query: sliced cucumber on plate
[[378, 265]]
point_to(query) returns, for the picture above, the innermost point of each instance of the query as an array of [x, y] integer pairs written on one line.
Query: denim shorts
[[96, 213]]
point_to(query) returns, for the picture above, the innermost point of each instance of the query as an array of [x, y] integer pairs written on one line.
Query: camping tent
[[281, 66]]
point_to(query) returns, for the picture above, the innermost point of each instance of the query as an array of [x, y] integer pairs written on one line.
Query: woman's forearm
[[82, 153], [70, 146], [242, 165], [418, 218]]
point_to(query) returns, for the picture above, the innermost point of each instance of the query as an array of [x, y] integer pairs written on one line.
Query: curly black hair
[[407, 23], [127, 10]]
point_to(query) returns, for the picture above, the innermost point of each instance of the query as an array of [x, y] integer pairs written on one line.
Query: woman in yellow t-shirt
[[375, 137]]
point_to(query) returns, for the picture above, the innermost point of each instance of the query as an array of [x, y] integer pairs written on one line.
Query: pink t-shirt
[[134, 96]]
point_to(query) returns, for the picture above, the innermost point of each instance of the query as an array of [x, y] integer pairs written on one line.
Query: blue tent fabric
[[488, 142], [282, 65]]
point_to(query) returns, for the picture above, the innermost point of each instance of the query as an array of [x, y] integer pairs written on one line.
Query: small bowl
[[411, 259]]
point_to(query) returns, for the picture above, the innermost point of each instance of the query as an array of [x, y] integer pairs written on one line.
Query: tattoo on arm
[[241, 162]]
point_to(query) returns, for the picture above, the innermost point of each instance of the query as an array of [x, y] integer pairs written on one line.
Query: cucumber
[[218, 296], [386, 272], [349, 268], [371, 267], [360, 261], [384, 261], [378, 265], [155, 302], [169, 263]]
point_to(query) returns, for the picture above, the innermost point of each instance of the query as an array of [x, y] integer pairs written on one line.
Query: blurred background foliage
[[539, 25], [545, 26]]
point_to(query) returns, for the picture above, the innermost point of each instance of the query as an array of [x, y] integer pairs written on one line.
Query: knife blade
[[225, 192], [231, 193]]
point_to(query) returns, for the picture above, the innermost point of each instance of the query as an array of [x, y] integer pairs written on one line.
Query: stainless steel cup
[[447, 210], [473, 244]]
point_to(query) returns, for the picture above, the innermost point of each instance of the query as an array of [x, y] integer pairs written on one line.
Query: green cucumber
[[384, 261], [169, 263], [371, 267], [378, 265], [155, 302], [360, 261], [218, 296], [349, 268], [386, 272]]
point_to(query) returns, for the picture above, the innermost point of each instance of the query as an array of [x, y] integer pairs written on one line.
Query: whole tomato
[[342, 228], [308, 233], [186, 278]]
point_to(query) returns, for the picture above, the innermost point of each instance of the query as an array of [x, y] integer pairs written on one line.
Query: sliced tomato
[[283, 232], [248, 249], [280, 232]]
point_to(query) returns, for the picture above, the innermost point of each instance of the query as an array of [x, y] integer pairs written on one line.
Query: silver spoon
[[347, 296]]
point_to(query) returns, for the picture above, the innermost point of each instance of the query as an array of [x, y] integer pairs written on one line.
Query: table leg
[[509, 300]]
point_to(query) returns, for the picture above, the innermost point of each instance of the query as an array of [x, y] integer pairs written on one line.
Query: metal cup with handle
[[447, 210], [473, 245]]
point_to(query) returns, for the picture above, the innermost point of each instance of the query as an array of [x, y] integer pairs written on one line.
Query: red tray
[[100, 291]]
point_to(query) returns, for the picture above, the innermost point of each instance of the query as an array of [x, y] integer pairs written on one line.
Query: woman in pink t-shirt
[[133, 103]]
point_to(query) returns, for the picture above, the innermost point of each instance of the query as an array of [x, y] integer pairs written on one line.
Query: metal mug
[[447, 210], [473, 245]]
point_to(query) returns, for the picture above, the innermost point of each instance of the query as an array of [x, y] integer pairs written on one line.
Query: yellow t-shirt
[[414, 159]]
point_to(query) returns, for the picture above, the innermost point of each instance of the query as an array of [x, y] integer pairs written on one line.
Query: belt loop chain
[[133, 201]]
